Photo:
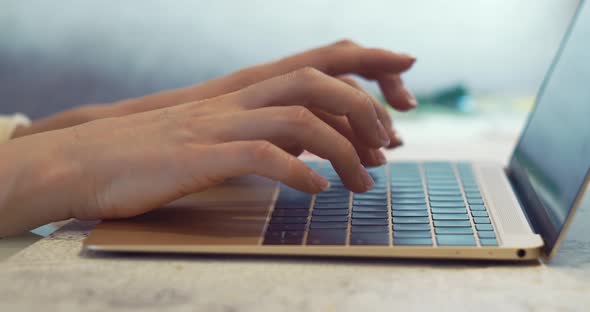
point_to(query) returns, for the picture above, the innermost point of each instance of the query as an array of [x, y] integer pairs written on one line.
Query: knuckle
[[365, 101], [345, 42], [305, 74], [261, 150], [300, 115]]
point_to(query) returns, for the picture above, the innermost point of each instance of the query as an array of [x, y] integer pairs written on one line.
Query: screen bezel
[[527, 196]]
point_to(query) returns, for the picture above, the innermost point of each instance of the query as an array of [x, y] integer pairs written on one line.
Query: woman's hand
[[125, 166], [337, 60]]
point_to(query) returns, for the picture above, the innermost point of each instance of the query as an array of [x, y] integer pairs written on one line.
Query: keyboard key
[[290, 213], [326, 237], [329, 225], [450, 188], [411, 241], [330, 206], [447, 205], [406, 190], [411, 220], [329, 219], [330, 212], [369, 239], [472, 201], [286, 227], [488, 242], [453, 230], [369, 215], [450, 216], [444, 193], [472, 194], [404, 184], [370, 222], [478, 213], [470, 189], [411, 227], [434, 198], [369, 229], [478, 220], [408, 207], [455, 240], [421, 234], [452, 224], [283, 238], [334, 192], [332, 200], [288, 220], [442, 184], [370, 209], [484, 227], [382, 202], [407, 201], [409, 213], [448, 210], [365, 196], [407, 196], [477, 207], [486, 234]]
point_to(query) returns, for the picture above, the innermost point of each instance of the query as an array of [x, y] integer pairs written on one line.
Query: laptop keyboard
[[412, 204]]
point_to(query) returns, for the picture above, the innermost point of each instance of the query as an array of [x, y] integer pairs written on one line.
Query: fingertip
[[319, 182], [396, 140], [397, 95], [365, 179], [410, 58]]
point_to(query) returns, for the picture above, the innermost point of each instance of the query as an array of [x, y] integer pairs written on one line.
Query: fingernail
[[366, 178], [411, 57], [396, 140], [319, 181], [411, 98], [399, 140], [380, 157], [382, 134]]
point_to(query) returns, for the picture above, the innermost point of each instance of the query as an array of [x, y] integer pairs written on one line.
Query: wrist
[[38, 188]]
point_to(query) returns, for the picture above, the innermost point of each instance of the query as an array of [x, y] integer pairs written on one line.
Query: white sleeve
[[9, 123]]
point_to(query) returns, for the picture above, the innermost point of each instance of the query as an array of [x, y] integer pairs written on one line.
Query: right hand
[[125, 166]]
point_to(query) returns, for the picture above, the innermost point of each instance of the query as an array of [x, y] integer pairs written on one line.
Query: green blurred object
[[455, 98]]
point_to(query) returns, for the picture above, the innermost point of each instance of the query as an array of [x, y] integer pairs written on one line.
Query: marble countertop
[[55, 275]]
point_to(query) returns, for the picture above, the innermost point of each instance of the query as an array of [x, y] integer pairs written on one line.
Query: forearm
[[35, 178]]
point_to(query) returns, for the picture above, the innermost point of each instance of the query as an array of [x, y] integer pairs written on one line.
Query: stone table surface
[[55, 275]]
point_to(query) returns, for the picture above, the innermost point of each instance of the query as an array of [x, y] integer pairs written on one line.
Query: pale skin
[[127, 158]]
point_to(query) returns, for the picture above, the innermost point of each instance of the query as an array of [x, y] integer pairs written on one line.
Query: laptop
[[450, 210]]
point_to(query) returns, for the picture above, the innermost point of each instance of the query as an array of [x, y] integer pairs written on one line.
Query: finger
[[369, 157], [395, 93], [347, 57], [295, 124], [382, 113], [261, 158], [313, 89]]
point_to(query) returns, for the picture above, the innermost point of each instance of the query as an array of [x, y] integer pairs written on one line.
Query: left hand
[[338, 60]]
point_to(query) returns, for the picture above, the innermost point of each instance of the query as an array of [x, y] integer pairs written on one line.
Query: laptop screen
[[551, 162]]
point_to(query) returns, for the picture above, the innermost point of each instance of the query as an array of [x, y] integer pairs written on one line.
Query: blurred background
[[54, 55]]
